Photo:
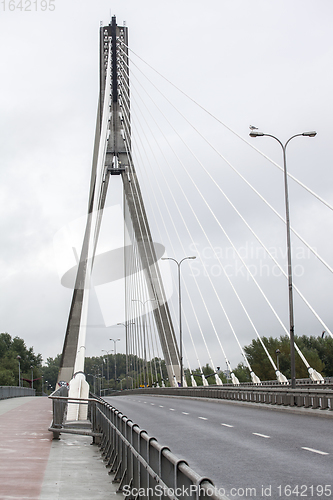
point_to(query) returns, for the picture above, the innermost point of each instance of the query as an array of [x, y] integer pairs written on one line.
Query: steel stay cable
[[231, 130], [163, 222], [221, 305], [203, 300], [208, 206], [150, 243], [244, 179]]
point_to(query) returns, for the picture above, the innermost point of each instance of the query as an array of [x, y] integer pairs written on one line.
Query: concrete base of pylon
[[78, 388]]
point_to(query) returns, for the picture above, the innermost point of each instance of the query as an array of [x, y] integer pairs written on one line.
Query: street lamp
[[107, 359], [32, 377], [126, 343], [144, 335], [180, 314], [115, 360], [18, 357], [256, 133], [277, 352]]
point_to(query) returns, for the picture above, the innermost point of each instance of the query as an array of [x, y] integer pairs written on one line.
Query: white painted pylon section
[[218, 381], [193, 382], [163, 384], [204, 380], [78, 388], [255, 379], [184, 382], [281, 378], [234, 379], [315, 376]]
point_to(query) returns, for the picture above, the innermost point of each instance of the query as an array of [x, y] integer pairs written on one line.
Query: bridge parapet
[[7, 392], [315, 398]]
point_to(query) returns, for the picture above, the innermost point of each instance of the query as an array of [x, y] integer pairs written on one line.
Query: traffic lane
[[304, 430], [242, 454]]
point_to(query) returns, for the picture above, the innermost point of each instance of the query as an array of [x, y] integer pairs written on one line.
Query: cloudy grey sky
[[266, 63]]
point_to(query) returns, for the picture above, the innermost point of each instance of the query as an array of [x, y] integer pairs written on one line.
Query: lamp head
[[256, 133], [310, 134]]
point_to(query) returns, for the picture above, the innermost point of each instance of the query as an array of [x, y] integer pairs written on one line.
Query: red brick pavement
[[25, 445]]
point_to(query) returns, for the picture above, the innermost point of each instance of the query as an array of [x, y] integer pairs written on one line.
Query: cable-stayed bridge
[[171, 184], [182, 196]]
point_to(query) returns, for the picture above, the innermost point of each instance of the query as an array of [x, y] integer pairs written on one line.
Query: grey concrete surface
[[76, 471], [10, 404]]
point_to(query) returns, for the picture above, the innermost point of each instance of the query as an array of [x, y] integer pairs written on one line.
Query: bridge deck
[[33, 466]]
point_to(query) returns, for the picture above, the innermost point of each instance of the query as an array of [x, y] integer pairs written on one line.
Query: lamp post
[[277, 352], [144, 336], [256, 133], [107, 359], [18, 357], [180, 314], [115, 360], [126, 344], [32, 377]]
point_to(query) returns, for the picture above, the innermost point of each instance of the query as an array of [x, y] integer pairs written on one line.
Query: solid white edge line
[[315, 451]]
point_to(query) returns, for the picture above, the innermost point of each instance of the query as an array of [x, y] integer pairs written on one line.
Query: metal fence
[[7, 391], [140, 465], [315, 398]]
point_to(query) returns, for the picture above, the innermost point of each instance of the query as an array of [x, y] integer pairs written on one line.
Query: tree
[[50, 372], [9, 366], [242, 373], [317, 351]]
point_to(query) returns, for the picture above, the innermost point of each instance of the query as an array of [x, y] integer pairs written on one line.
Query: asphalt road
[[249, 451]]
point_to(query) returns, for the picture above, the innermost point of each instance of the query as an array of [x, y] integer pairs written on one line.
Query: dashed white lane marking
[[161, 406], [153, 404], [261, 435], [203, 418], [315, 451], [227, 425], [185, 413], [171, 409]]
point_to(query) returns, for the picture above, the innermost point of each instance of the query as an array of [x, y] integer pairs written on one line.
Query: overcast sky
[[266, 63]]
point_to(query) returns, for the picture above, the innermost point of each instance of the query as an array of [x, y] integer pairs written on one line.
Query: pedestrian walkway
[[35, 467]]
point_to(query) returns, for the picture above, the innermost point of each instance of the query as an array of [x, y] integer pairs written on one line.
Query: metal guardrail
[[328, 382], [141, 466], [59, 406], [7, 391], [315, 398]]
